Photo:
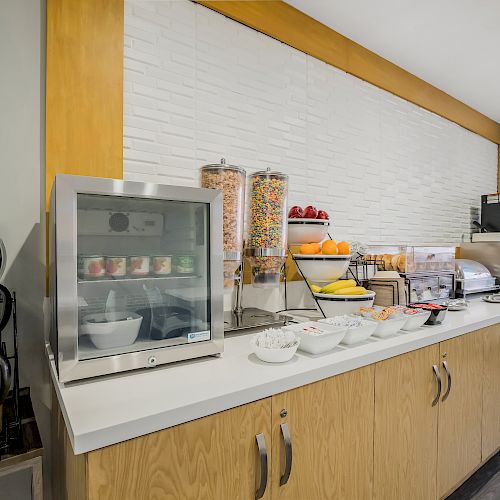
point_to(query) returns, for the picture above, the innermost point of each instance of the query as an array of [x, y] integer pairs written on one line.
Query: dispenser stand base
[[251, 317]]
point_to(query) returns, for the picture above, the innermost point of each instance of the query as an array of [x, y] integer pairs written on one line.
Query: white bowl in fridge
[[414, 321], [316, 337], [356, 334], [322, 268], [388, 327], [110, 330], [302, 231], [335, 305]]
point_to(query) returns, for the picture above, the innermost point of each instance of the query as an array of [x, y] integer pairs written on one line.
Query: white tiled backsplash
[[199, 86]]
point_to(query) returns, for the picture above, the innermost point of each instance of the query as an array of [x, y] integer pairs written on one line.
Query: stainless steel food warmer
[[135, 275]]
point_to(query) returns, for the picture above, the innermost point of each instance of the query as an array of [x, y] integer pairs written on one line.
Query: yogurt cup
[[91, 266], [116, 266], [185, 264], [162, 265], [138, 265]]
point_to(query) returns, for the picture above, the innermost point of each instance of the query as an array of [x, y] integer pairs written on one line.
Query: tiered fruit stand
[[356, 269]]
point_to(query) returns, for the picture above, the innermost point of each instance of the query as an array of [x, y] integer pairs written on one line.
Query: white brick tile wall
[[199, 86]]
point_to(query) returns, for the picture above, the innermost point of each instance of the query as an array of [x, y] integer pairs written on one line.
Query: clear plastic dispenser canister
[[231, 181], [267, 232]]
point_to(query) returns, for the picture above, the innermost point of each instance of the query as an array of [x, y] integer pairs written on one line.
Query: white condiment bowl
[[277, 355], [390, 326], [110, 330], [414, 321], [357, 334], [322, 268], [336, 305], [317, 343], [307, 230]]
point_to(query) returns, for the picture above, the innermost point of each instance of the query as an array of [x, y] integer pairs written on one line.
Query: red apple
[[295, 212], [322, 215], [310, 212]]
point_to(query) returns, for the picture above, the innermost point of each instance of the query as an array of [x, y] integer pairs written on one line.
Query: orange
[[344, 248], [310, 248], [329, 248], [316, 247], [306, 249]]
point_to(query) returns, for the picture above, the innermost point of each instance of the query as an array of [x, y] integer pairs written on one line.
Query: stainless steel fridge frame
[[64, 278]]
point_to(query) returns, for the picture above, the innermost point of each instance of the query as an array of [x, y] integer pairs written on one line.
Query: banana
[[353, 290], [338, 285], [315, 288]]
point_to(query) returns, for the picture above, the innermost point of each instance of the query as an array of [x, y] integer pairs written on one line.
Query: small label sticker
[[199, 336]]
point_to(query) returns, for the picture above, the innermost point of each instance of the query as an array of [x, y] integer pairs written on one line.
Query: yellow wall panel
[[84, 88]]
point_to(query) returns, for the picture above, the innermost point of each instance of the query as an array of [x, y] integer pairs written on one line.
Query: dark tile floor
[[483, 485]]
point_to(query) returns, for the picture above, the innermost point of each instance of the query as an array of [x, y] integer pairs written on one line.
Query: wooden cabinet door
[[214, 457], [460, 415], [405, 454], [331, 429], [491, 391]]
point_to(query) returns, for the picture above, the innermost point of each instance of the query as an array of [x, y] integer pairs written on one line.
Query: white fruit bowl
[[307, 230], [317, 343], [322, 268], [335, 305], [111, 330]]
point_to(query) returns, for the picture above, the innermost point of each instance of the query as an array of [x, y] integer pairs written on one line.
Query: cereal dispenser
[[267, 232], [231, 181]]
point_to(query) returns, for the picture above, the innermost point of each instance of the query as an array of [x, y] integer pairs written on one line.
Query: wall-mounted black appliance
[[490, 213]]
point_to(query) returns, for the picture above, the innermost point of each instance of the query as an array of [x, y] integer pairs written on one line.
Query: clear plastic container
[[267, 233], [430, 258], [231, 181], [413, 259]]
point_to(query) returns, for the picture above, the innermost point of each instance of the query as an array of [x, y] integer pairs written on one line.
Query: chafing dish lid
[[470, 269]]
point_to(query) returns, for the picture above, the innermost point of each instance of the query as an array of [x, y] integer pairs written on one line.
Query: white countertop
[[108, 410]]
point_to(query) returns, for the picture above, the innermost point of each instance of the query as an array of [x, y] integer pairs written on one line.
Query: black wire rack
[[11, 428]]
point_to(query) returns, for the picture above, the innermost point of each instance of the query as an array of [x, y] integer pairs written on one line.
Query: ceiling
[[452, 44]]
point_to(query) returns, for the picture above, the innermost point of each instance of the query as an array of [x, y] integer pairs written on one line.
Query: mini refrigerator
[[135, 275]]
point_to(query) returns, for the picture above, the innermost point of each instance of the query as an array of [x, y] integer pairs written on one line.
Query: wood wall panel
[[84, 88], [288, 25]]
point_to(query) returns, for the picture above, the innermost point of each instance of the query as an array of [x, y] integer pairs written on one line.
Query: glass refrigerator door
[[143, 274]]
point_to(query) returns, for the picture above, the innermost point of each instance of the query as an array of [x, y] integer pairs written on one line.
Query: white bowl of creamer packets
[[274, 345], [316, 337]]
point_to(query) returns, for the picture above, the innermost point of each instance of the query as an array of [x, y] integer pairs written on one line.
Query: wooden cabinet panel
[[331, 428], [405, 445], [459, 429], [68, 471], [211, 458], [491, 391]]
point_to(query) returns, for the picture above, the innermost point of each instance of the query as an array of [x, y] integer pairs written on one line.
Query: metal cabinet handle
[[287, 441], [261, 444], [448, 388], [435, 369]]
